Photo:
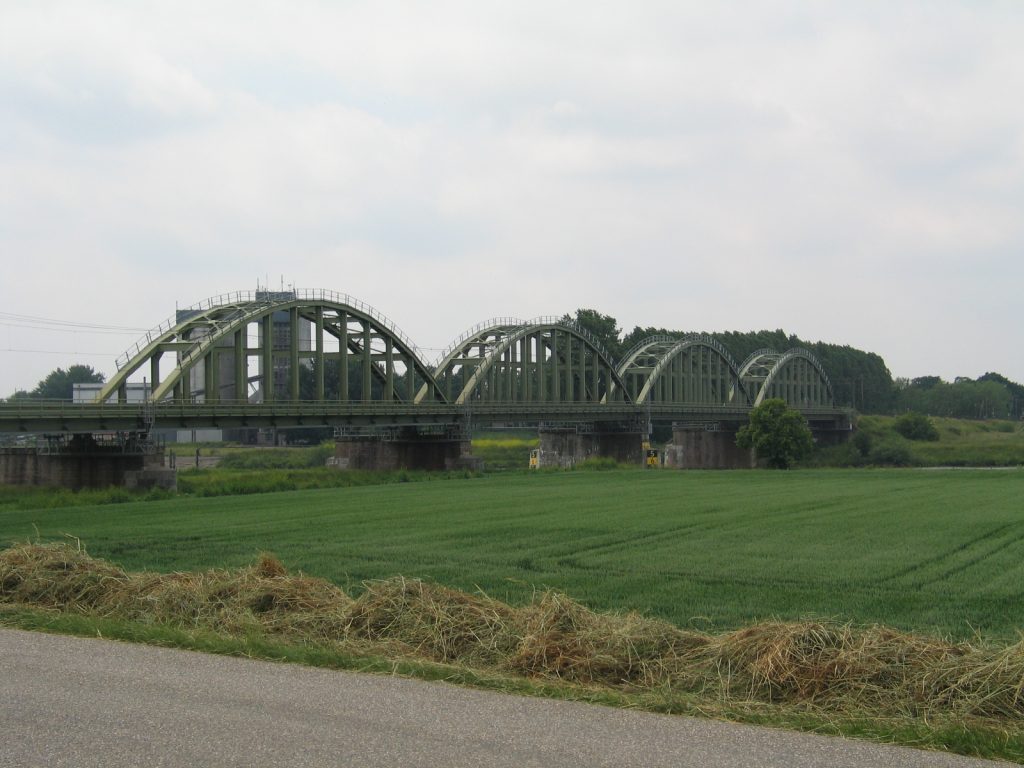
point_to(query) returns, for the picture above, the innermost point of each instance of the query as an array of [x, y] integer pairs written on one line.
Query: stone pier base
[[404, 449], [706, 446], [568, 446], [85, 462]]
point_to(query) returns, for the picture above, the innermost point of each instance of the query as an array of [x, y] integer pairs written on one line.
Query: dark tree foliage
[[1016, 392], [604, 328], [777, 433], [925, 382], [986, 398], [332, 382], [638, 334], [916, 426], [59, 384], [859, 379]]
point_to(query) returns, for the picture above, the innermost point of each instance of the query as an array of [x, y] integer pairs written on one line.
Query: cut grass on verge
[[818, 674]]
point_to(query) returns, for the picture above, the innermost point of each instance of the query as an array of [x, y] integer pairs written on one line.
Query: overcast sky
[[849, 172]]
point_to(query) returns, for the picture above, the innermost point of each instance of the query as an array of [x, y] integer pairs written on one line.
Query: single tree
[[778, 433]]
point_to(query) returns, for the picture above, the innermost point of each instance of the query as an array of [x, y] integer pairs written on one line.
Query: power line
[[83, 329], [58, 352], [7, 317]]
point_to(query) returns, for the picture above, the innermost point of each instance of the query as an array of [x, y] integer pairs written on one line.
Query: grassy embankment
[[940, 552], [961, 443], [246, 470]]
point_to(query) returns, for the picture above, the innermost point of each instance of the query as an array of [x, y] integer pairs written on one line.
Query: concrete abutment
[[706, 446], [568, 446], [83, 461], [404, 448]]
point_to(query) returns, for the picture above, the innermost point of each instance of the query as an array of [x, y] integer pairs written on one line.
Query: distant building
[[86, 393], [137, 393], [281, 340]]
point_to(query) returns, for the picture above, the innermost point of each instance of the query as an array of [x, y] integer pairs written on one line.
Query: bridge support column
[[87, 461], [568, 446], [706, 446], [834, 431], [385, 450]]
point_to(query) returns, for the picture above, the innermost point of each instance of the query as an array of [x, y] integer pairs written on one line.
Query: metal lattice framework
[[544, 360], [260, 347], [253, 347], [694, 369], [795, 376]]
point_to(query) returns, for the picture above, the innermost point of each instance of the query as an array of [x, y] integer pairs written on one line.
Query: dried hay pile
[[262, 595], [561, 638], [433, 621], [830, 667]]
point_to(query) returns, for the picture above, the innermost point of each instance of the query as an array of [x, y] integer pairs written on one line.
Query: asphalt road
[[68, 701]]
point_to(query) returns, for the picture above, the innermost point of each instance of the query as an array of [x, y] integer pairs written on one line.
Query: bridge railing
[[322, 294], [470, 333], [223, 299], [573, 326], [659, 338], [519, 323]]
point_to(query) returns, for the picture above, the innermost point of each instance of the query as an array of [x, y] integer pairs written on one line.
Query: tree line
[[991, 396], [860, 380]]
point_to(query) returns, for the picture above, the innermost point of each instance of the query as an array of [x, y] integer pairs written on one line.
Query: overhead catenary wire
[[51, 329], [108, 353], [49, 323]]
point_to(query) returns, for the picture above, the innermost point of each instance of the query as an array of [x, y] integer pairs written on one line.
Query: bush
[[862, 441], [891, 453], [916, 426]]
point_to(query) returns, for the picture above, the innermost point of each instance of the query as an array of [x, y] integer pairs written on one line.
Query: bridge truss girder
[[795, 376], [693, 369], [215, 346], [546, 360]]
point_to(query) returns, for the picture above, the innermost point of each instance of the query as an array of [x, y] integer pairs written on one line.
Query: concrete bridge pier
[[568, 446], [88, 461], [833, 431], [388, 449], [706, 446]]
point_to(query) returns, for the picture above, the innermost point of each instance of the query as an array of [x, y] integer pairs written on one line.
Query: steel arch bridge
[[260, 346], [247, 358]]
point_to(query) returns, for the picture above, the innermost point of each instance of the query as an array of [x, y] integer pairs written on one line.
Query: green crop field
[[937, 551]]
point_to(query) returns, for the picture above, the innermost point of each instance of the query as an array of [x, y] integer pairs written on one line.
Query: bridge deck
[[29, 416]]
